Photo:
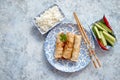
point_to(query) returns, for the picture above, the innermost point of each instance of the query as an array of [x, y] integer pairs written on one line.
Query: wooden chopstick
[[77, 20], [87, 41]]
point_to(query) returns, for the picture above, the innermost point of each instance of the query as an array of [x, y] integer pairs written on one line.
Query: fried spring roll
[[76, 48], [67, 53], [59, 47]]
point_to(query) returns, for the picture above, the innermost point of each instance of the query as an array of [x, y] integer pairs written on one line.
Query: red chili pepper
[[106, 22], [101, 45]]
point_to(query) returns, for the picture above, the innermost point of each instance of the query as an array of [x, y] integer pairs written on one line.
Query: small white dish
[[38, 27]]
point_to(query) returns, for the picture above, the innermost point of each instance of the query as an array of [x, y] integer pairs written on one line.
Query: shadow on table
[[37, 35], [64, 74], [58, 73]]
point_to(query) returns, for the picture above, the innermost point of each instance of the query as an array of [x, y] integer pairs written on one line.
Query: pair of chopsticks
[[92, 53]]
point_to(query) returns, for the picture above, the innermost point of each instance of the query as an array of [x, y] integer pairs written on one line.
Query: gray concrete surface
[[21, 44]]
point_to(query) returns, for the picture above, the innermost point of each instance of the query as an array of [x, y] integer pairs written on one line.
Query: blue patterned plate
[[66, 65]]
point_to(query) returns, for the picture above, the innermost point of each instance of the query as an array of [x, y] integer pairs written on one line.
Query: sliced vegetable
[[104, 33], [109, 42], [106, 22], [99, 27], [101, 45], [97, 32], [94, 31], [105, 27], [103, 39], [109, 37]]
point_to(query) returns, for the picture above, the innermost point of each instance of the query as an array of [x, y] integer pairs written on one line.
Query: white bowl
[[43, 32]]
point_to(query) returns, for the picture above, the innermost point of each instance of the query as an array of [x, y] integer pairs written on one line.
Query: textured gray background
[[21, 44]]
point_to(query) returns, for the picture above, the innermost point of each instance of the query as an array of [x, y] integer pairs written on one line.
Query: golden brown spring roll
[[76, 48], [69, 46], [59, 47]]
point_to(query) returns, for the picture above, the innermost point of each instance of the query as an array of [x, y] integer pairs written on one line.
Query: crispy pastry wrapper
[[76, 48], [59, 47], [67, 53]]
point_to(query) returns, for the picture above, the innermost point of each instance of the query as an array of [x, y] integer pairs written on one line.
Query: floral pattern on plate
[[66, 65]]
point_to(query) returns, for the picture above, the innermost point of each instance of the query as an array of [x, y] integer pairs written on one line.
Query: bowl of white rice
[[48, 19]]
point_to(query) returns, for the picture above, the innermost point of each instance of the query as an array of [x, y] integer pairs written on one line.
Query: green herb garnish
[[63, 37]]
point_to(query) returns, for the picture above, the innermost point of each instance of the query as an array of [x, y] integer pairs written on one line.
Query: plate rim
[[79, 69]]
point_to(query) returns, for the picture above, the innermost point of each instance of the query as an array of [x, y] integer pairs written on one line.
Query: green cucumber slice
[[103, 39], [105, 27], [109, 42], [94, 30], [110, 37], [97, 32], [99, 27]]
